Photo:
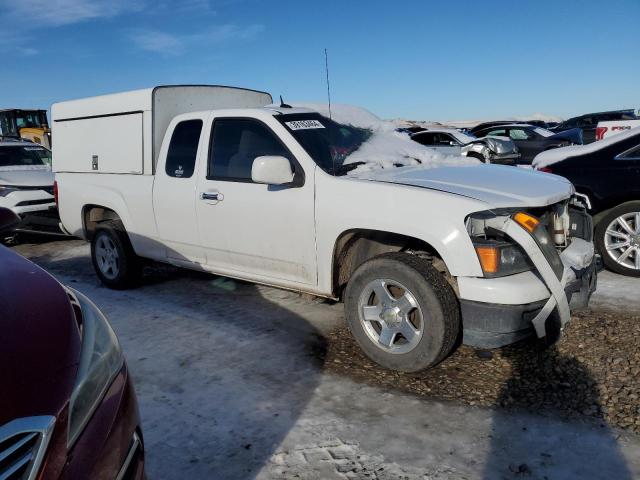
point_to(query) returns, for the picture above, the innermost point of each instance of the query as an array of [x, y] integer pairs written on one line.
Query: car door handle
[[211, 196]]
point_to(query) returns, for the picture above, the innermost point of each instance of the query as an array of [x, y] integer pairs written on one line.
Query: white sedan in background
[[450, 141]]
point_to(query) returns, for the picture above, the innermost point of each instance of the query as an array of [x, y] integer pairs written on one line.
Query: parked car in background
[[608, 173], [68, 409], [589, 122], [532, 140], [606, 129], [494, 123], [26, 186], [453, 142]]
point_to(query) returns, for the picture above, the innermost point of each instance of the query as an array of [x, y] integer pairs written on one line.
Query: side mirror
[[8, 219], [453, 144], [272, 170]]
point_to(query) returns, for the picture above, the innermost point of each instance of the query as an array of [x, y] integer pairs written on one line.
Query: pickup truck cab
[[216, 179]]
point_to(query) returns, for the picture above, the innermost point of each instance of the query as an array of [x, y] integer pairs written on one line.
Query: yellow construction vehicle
[[31, 125]]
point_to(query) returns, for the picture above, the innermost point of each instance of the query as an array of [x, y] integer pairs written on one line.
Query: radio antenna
[[326, 67]]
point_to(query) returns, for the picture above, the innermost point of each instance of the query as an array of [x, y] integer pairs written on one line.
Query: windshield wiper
[[346, 168]]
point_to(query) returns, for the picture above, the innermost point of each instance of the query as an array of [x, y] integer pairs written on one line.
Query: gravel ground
[[593, 371]]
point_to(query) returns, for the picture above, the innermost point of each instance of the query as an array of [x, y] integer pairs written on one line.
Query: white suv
[[26, 185]]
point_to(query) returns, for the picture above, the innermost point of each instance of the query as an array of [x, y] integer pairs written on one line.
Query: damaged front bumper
[[547, 295]]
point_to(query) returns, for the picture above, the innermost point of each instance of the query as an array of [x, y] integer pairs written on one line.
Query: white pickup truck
[[216, 179]]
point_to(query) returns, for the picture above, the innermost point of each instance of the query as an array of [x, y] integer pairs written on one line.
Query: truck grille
[[23, 443]]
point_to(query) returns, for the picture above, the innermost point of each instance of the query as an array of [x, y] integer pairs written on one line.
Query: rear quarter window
[[183, 149]]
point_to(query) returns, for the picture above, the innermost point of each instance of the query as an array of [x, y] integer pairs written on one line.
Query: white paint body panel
[[286, 236], [116, 142]]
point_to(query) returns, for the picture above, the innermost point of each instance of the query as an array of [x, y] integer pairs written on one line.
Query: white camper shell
[[122, 132]]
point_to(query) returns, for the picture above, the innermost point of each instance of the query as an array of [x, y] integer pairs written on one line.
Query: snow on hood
[[497, 185], [386, 148], [549, 157]]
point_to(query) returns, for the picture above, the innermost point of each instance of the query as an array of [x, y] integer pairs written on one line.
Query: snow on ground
[[231, 385], [617, 293], [555, 155]]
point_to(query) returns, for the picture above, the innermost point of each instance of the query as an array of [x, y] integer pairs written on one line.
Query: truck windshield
[[24, 156], [329, 143]]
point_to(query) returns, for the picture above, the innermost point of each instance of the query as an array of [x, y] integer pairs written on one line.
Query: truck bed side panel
[[105, 144], [134, 207]]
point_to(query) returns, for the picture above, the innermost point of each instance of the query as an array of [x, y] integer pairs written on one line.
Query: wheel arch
[[615, 203], [93, 214], [355, 246]]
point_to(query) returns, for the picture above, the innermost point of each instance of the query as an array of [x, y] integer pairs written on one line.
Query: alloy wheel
[[107, 257], [622, 240], [391, 316]]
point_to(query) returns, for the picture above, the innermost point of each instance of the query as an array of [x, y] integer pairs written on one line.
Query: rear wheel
[[114, 260], [618, 239], [402, 312]]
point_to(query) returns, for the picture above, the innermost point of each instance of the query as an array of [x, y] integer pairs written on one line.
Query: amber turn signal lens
[[489, 258], [526, 221]]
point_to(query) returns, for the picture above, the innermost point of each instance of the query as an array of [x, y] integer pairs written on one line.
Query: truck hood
[[27, 176], [497, 185]]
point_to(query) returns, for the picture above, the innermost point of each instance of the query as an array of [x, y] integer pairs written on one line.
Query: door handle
[[216, 196]]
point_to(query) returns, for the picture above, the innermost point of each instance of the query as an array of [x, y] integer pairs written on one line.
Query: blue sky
[[411, 59]]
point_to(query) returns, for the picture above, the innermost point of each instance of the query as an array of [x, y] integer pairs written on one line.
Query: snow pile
[[549, 157], [350, 115], [386, 148], [394, 149]]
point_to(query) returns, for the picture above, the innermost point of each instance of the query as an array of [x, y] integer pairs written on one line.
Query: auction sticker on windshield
[[304, 124]]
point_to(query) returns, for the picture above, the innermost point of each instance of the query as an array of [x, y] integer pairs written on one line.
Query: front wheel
[[402, 312], [618, 239], [114, 260]]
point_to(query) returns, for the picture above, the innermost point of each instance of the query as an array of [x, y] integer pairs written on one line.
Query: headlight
[[6, 190], [540, 234], [100, 361], [501, 258]]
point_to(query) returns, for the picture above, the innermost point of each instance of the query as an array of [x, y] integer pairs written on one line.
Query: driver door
[[252, 230]]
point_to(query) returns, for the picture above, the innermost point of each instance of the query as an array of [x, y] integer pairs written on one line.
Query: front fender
[[434, 217]]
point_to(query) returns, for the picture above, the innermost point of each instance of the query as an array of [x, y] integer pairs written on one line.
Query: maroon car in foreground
[[68, 409]]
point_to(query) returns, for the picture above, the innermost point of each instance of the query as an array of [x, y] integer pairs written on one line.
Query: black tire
[[128, 266], [435, 297], [600, 233]]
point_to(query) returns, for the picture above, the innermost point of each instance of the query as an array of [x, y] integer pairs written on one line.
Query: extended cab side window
[[236, 143], [181, 157]]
